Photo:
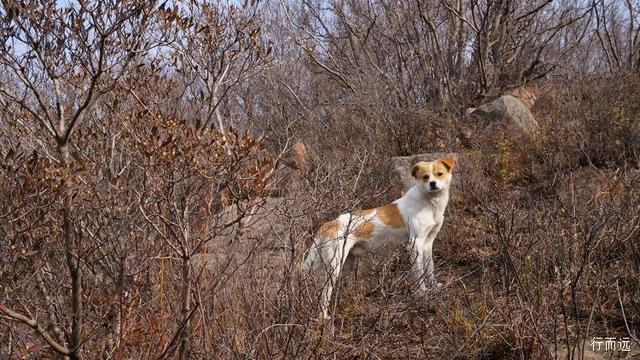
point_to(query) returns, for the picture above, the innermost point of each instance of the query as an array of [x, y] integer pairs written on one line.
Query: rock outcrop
[[526, 95]]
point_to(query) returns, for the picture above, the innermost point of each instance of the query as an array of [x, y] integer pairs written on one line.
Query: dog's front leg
[[428, 257], [430, 275], [418, 262]]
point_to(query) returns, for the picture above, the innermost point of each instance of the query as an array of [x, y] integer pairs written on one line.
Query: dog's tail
[[310, 257]]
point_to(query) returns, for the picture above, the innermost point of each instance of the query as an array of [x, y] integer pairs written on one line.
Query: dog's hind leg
[[340, 252]]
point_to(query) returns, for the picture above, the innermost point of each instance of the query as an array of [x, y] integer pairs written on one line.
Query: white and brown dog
[[417, 217]]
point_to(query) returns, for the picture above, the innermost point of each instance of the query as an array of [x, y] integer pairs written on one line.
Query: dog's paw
[[436, 287], [430, 288]]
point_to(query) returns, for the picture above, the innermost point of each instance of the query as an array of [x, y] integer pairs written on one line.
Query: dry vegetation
[[151, 207]]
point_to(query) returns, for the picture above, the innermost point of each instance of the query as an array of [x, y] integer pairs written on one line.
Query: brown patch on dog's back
[[329, 229], [363, 213], [364, 230], [390, 215]]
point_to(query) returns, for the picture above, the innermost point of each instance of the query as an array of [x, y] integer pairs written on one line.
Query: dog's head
[[434, 176]]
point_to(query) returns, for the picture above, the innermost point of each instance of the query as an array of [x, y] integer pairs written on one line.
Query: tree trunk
[[72, 252], [186, 306]]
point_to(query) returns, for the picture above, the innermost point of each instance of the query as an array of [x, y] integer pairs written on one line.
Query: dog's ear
[[419, 169], [449, 161], [414, 169]]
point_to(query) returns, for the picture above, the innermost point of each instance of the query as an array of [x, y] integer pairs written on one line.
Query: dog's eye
[[426, 177], [440, 173]]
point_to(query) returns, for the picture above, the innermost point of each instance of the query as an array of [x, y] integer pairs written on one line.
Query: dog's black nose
[[432, 184]]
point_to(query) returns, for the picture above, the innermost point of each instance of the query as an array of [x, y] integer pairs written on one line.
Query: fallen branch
[[34, 324]]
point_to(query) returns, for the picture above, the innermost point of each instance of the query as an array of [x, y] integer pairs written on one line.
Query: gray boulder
[[506, 113]]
